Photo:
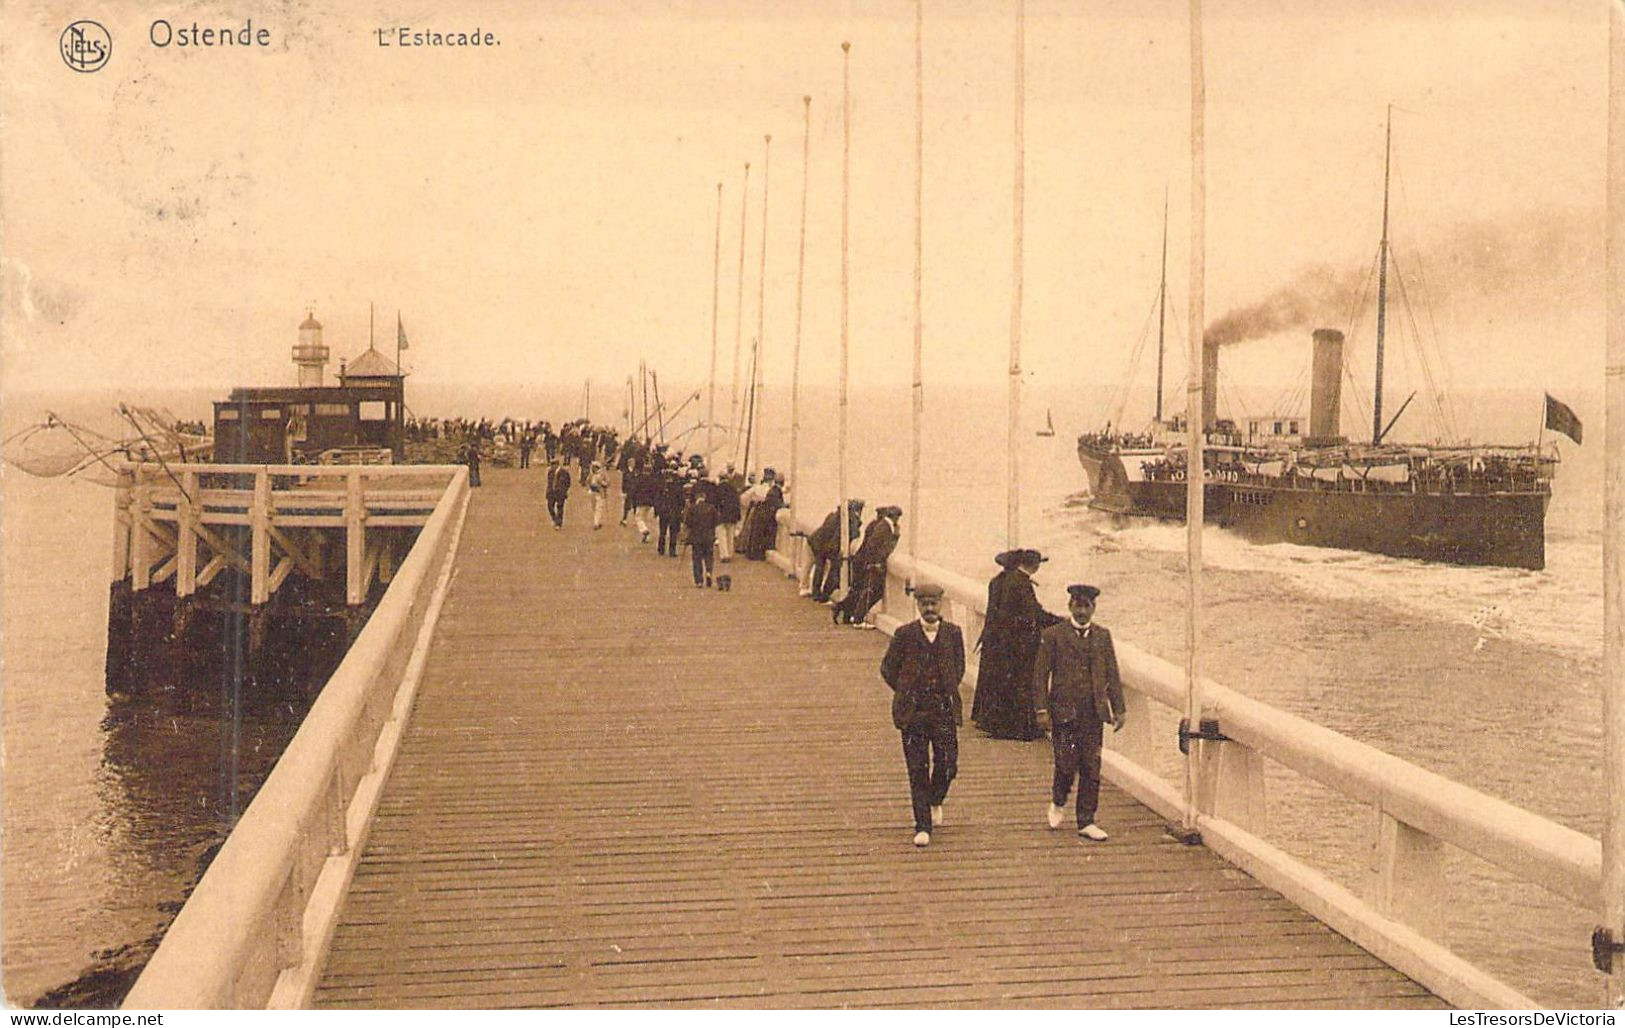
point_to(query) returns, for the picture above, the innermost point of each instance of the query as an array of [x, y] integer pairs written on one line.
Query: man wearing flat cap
[[1075, 678], [1009, 642], [924, 664]]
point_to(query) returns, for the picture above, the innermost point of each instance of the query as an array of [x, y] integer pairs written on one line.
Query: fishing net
[[53, 449]]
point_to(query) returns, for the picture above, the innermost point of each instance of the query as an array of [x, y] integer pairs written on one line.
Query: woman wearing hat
[[1003, 707]]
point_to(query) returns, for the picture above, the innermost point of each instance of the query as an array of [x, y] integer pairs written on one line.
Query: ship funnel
[[1325, 388], [1210, 384]]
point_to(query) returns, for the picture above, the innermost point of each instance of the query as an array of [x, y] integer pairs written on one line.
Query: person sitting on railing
[[924, 664], [825, 546], [869, 569], [1009, 643], [1077, 688]]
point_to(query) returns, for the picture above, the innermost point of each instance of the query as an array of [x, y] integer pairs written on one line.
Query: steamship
[[1280, 479]]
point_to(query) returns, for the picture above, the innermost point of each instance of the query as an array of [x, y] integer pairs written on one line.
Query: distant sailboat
[[1049, 425]]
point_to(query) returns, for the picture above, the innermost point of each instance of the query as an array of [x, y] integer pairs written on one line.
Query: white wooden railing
[[256, 928], [1415, 812]]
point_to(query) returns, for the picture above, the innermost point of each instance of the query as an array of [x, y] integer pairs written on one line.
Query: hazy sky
[[543, 211]]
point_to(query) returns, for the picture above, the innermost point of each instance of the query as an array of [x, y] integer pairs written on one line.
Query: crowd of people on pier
[[1039, 673]]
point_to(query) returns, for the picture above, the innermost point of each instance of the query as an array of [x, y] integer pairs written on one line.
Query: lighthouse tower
[[310, 353]]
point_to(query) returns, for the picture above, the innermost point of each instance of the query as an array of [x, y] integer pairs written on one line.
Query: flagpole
[[1194, 417], [716, 286], [1611, 904], [801, 271], [917, 414], [1012, 529], [739, 320], [761, 300], [846, 219]]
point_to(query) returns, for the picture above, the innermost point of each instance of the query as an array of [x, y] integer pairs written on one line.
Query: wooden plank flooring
[[619, 790]]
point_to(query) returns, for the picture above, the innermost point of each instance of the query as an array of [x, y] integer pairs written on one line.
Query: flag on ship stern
[[1559, 418]]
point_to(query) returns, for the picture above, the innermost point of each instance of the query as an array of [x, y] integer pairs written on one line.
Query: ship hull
[[1493, 529]]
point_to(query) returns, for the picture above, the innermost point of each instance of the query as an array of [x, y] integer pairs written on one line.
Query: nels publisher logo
[[86, 46]]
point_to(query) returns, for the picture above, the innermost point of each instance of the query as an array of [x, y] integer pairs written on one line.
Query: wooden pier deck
[[619, 790]]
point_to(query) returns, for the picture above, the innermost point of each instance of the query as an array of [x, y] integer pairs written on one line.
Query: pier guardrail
[[256, 928], [166, 516], [1415, 812]]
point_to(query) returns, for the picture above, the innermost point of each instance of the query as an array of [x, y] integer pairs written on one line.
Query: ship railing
[[255, 930], [1415, 816]]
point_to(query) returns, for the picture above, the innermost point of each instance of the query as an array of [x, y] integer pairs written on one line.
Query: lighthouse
[[310, 353]]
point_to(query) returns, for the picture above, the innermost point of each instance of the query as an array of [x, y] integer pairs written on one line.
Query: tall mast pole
[[1382, 282], [716, 286], [919, 279], [846, 229], [1194, 421], [1612, 902], [1162, 302], [801, 270], [761, 298], [643, 378], [739, 319], [1012, 528]]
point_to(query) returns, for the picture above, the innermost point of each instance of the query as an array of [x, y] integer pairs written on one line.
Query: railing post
[[259, 549], [186, 514], [1136, 741], [1239, 793], [1407, 876], [355, 514]]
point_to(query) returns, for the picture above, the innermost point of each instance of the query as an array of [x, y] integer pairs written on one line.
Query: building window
[[373, 410], [1277, 428], [271, 413], [229, 414], [335, 410], [1293, 428]]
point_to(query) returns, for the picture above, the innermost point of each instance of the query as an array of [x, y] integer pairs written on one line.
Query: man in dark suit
[[558, 490], [1075, 678], [825, 544], [923, 665], [869, 568]]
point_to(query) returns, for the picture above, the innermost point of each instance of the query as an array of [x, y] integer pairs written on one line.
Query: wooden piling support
[[259, 548], [186, 537], [355, 513]]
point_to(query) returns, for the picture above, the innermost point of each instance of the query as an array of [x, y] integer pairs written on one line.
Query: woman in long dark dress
[[761, 531], [1003, 707]]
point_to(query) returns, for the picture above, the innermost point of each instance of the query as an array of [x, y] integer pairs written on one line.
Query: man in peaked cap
[[924, 664], [1075, 677]]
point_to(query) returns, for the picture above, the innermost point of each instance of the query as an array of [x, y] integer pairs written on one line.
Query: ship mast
[[1162, 301], [1382, 281]]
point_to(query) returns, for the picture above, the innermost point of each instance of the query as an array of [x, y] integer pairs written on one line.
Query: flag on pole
[[400, 334], [1559, 418]]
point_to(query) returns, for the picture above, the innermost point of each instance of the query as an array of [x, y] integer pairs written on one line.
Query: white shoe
[[864, 626], [922, 838], [803, 592], [1056, 815], [936, 816], [1093, 832]]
